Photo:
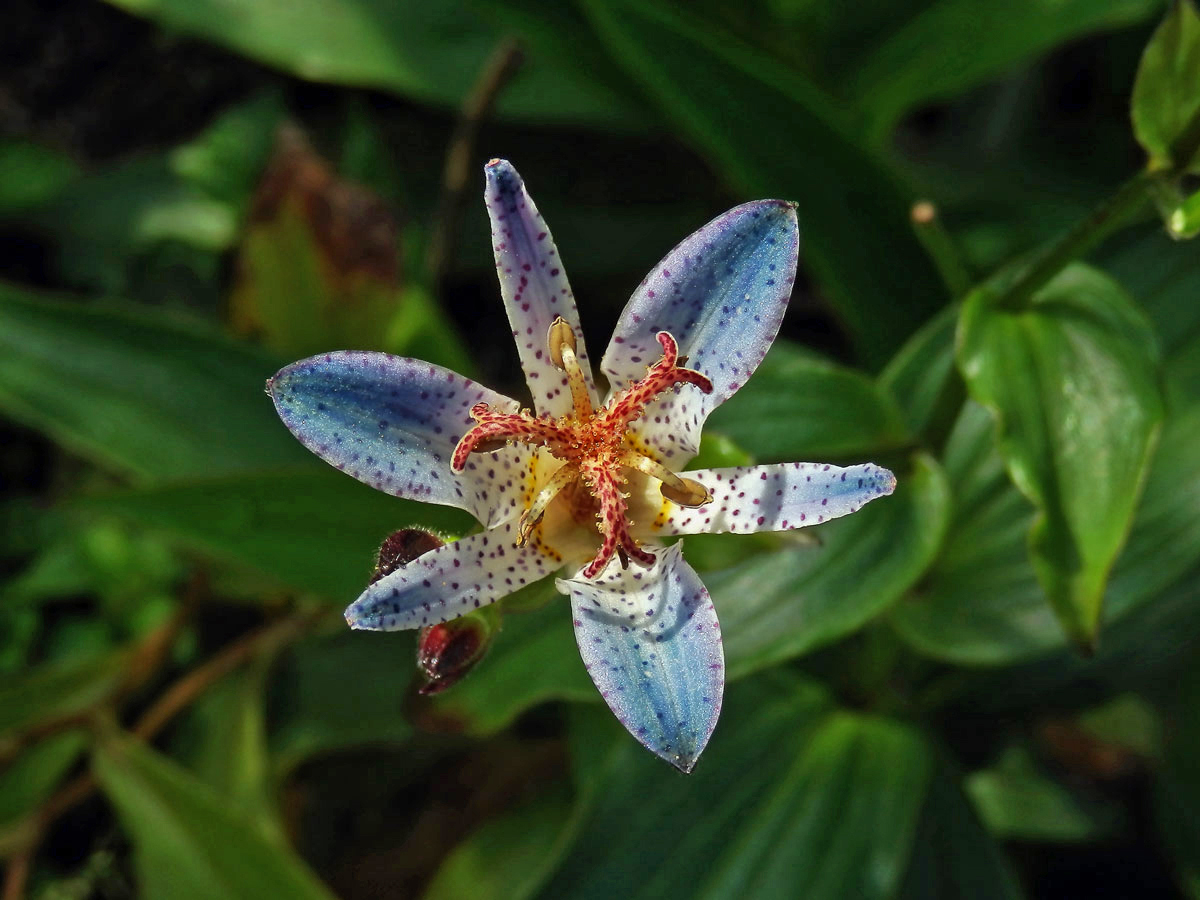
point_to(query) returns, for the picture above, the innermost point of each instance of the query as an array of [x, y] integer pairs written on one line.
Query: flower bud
[[401, 547], [448, 651]]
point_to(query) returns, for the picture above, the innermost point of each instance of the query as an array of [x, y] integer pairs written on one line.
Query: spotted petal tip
[[651, 642]]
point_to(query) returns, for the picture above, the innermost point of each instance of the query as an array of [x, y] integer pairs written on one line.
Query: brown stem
[[500, 68], [181, 694]]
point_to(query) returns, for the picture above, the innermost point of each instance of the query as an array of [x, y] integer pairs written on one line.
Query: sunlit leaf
[[187, 842], [774, 134], [137, 390], [1072, 379]]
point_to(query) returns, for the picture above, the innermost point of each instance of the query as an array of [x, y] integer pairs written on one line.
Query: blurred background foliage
[[985, 686]]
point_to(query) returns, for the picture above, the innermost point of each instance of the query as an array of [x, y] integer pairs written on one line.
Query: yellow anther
[[561, 340], [566, 474], [680, 491]]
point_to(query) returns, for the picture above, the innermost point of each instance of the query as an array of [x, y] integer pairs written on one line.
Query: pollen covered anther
[[595, 447]]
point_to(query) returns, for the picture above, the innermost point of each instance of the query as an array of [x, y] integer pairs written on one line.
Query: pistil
[[594, 447]]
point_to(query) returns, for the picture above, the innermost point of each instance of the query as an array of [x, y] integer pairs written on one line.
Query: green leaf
[[1166, 103], [223, 740], [951, 45], [430, 52], [338, 691], [772, 133], [105, 221], [981, 604], [790, 795], [188, 843], [799, 406], [510, 856], [779, 606], [29, 780], [953, 856], [1184, 222], [137, 390], [311, 529], [533, 660], [1018, 802], [32, 175], [59, 689], [922, 379], [1073, 382]]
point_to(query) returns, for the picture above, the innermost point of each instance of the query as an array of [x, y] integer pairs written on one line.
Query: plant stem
[[1115, 212]]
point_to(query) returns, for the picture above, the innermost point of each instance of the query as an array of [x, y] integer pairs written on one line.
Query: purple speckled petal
[[454, 579], [721, 294], [776, 498], [393, 422], [534, 287], [651, 642]]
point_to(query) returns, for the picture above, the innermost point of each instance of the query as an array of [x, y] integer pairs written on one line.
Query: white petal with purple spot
[[534, 287], [774, 498], [721, 294], [450, 581], [393, 422], [651, 642]]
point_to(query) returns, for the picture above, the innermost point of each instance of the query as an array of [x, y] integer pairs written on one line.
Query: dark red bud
[[448, 651], [401, 547]]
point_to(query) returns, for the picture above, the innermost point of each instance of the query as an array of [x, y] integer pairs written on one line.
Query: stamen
[[593, 447], [681, 491], [661, 376], [567, 474], [561, 339], [614, 523]]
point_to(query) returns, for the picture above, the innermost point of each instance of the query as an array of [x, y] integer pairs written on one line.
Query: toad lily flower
[[578, 485]]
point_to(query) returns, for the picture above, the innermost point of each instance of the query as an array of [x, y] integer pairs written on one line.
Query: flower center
[[595, 447]]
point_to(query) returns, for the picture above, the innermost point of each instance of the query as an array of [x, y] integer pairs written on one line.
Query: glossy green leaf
[[780, 605], [311, 529], [139, 391], [59, 689], [772, 133], [951, 45], [533, 660], [430, 52], [800, 406], [922, 379], [981, 603], [823, 803], [339, 691], [1164, 276], [1166, 104], [187, 842], [953, 856], [1073, 382]]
